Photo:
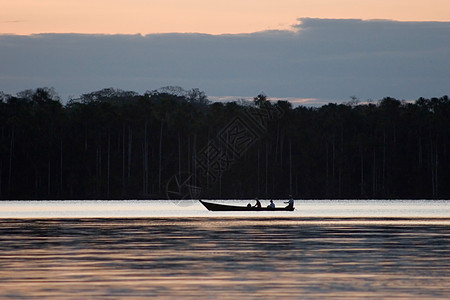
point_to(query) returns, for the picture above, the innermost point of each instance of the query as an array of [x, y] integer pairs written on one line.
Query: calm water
[[143, 249]]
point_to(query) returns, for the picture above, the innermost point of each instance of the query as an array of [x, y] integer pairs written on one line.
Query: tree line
[[115, 144]]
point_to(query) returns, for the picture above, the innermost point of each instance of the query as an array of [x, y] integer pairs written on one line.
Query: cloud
[[320, 59]]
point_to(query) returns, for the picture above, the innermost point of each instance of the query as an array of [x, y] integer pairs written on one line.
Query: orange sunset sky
[[24, 17]]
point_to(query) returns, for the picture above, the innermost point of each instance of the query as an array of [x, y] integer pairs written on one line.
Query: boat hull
[[224, 207]]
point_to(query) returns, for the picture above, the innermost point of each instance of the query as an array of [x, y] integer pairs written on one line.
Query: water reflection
[[224, 258], [166, 208]]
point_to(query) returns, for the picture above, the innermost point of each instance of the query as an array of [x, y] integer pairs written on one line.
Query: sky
[[310, 51], [200, 16]]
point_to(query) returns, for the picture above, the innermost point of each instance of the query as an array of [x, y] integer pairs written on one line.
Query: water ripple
[[307, 258]]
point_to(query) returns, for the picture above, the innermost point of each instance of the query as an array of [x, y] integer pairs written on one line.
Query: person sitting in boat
[[271, 205], [257, 204], [290, 203]]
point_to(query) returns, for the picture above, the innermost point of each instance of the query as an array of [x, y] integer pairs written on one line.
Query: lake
[[161, 249]]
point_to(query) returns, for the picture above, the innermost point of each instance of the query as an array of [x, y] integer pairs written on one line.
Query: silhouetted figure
[[271, 205], [290, 203], [257, 204]]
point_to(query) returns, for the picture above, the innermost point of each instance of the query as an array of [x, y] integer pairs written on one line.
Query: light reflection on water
[[265, 256], [167, 208]]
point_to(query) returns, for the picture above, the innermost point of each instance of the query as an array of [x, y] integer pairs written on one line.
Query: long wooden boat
[[224, 207]]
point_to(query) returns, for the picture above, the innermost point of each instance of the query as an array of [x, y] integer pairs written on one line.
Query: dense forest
[[115, 144]]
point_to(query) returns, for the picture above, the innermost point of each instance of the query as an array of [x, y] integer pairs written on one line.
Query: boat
[[224, 207]]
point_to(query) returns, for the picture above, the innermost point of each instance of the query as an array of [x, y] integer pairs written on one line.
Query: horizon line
[[293, 28]]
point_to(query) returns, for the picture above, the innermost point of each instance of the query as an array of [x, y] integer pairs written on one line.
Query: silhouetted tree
[[120, 144]]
